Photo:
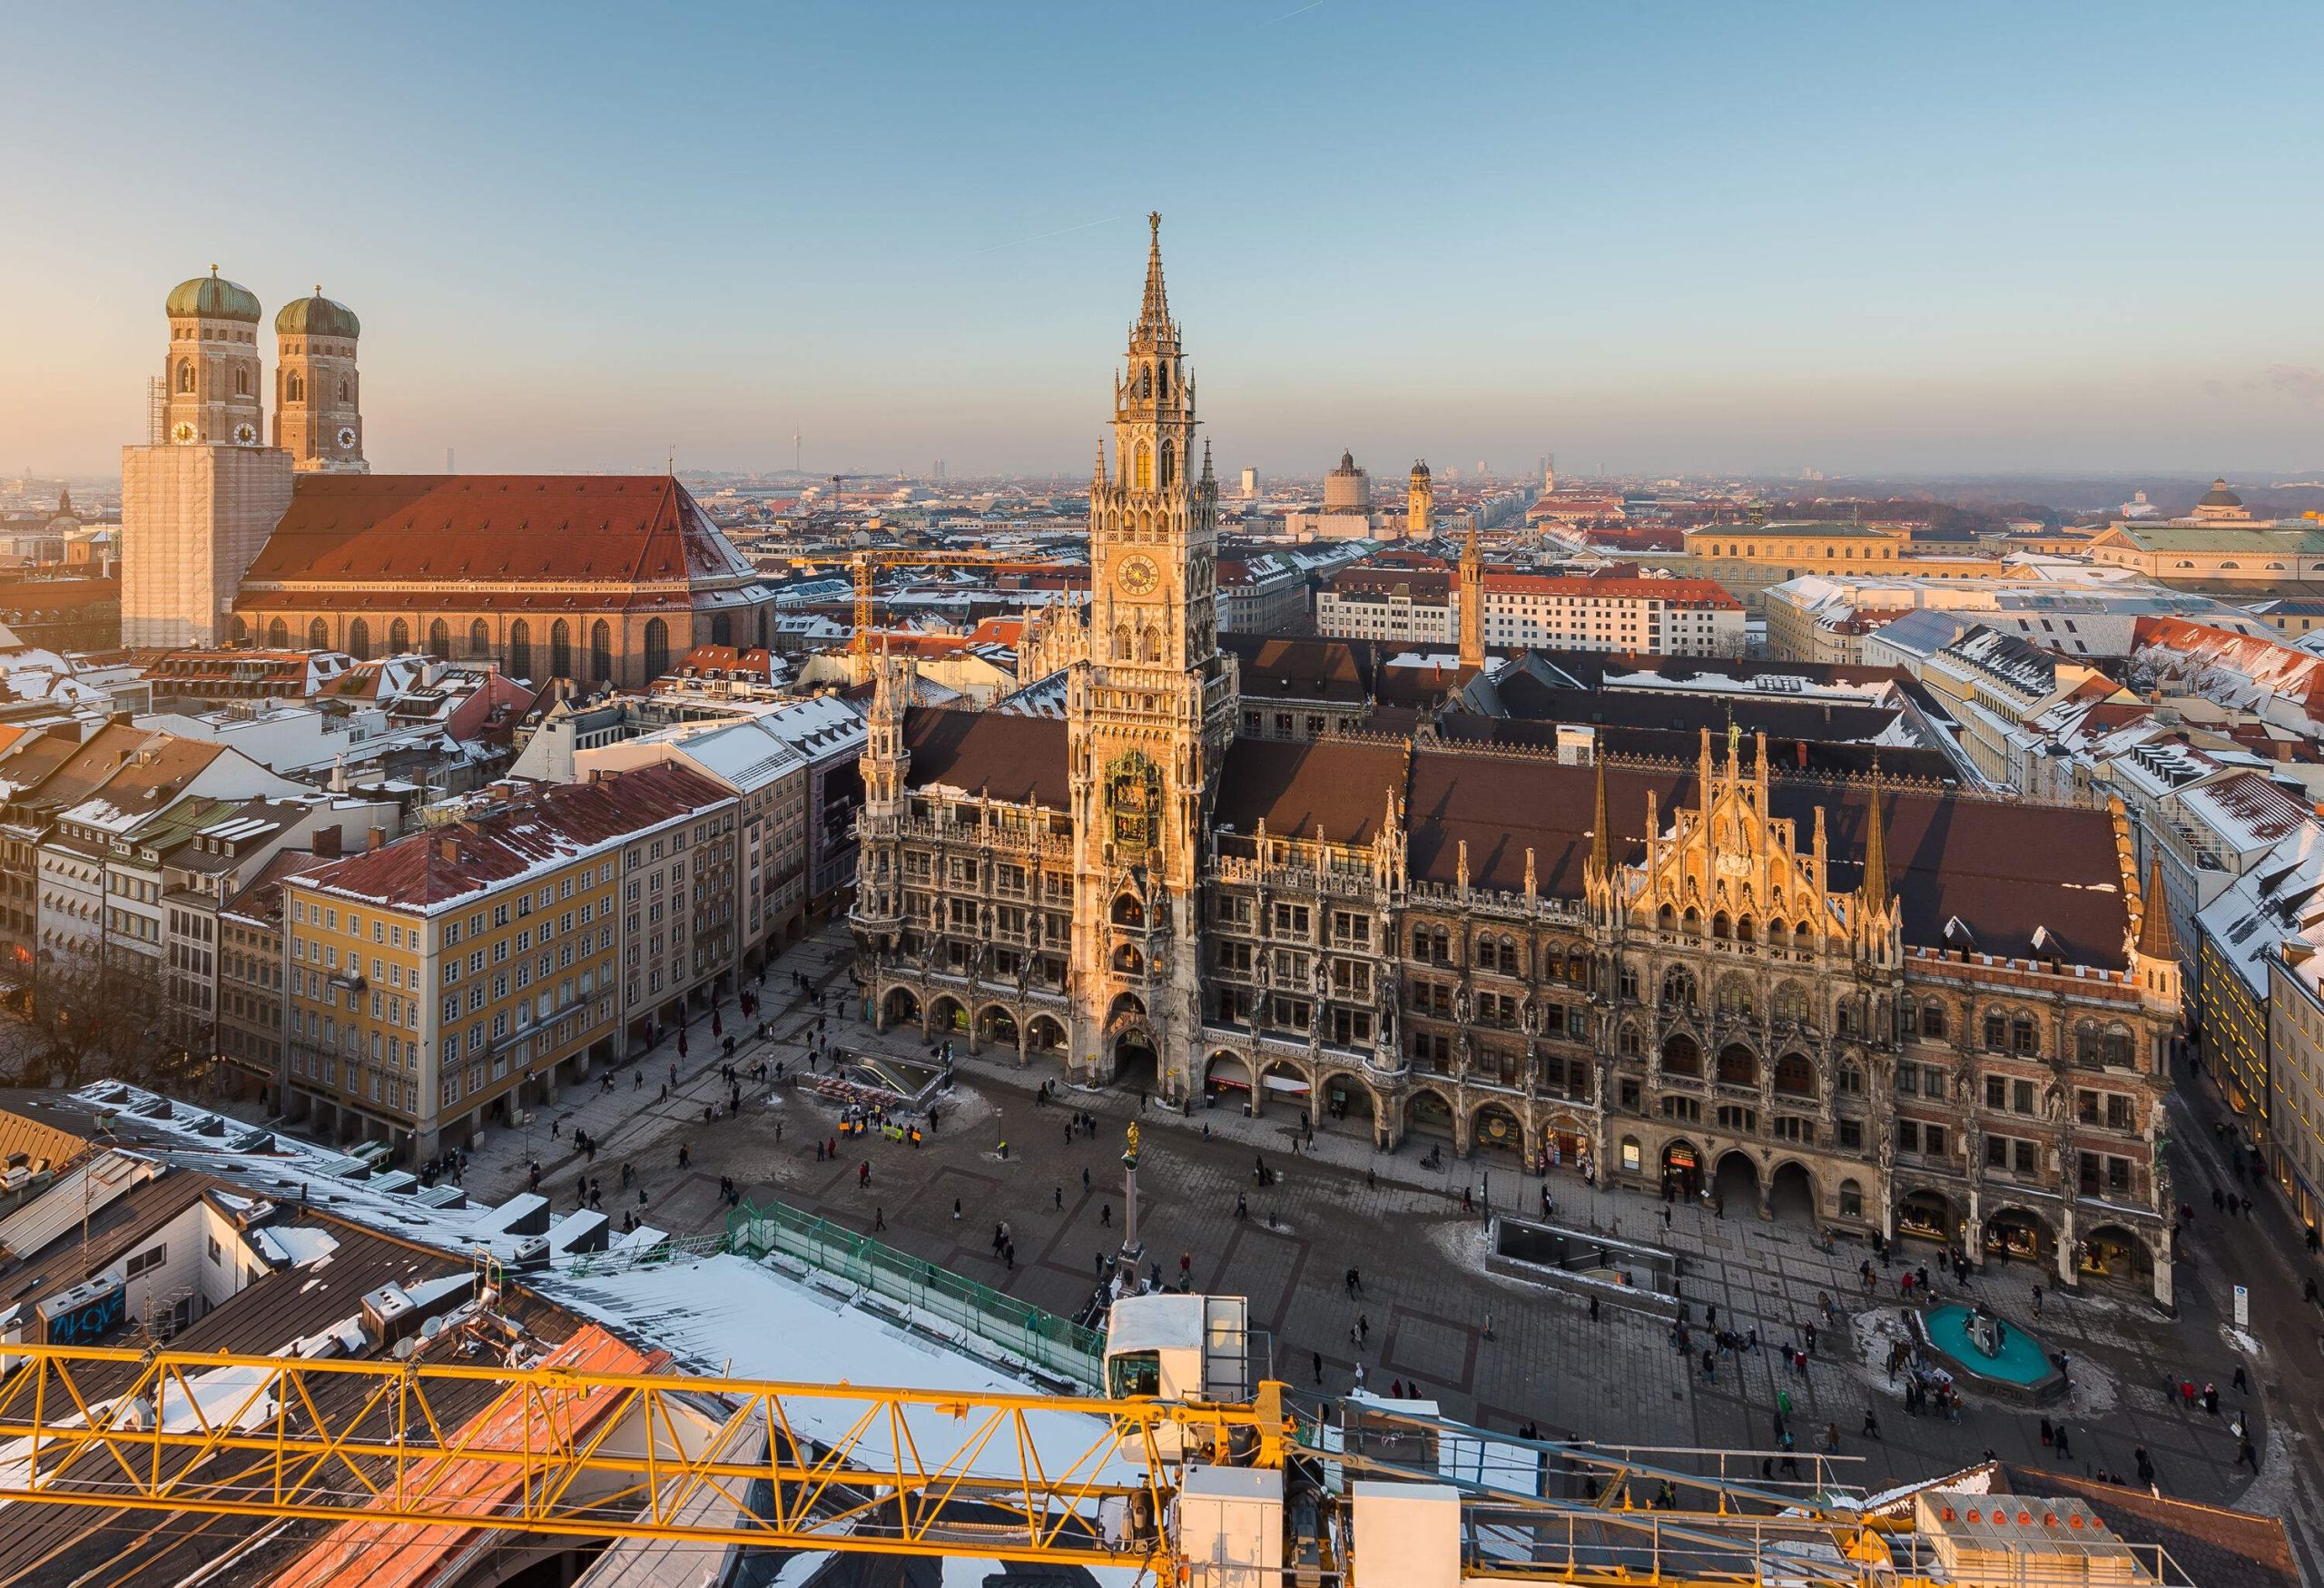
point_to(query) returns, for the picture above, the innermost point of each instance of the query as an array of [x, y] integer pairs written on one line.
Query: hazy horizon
[[1673, 240]]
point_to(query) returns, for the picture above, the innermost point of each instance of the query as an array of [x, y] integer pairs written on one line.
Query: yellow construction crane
[[865, 566], [394, 1450]]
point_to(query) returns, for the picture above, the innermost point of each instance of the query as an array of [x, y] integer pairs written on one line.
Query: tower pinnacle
[[1154, 328], [1875, 851]]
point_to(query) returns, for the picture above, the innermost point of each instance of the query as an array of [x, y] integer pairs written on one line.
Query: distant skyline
[[1669, 238]]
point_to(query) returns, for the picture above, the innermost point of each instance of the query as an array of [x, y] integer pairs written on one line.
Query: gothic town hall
[[1895, 1009]]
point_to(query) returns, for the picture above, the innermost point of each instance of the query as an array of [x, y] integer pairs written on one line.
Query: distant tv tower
[[449, 467]]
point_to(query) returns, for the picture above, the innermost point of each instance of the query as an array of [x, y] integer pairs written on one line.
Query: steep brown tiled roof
[[1021, 759], [545, 826], [2157, 941], [2005, 870], [1340, 784], [354, 532]]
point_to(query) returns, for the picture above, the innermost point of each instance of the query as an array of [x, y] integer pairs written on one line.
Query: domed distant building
[[1347, 489], [1346, 513], [1419, 503], [2220, 504]]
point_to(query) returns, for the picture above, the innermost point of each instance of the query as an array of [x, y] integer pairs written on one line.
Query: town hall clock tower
[[1149, 709]]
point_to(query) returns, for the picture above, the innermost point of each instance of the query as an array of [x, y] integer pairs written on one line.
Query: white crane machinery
[[1186, 1471]]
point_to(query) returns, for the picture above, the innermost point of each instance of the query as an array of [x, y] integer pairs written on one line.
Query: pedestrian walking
[[1363, 1327], [863, 1174], [1593, 1309], [879, 1219], [1871, 1424], [1319, 1366], [1241, 1206], [682, 1159], [1058, 1193], [1106, 1214], [2242, 1386], [1359, 1378], [1084, 1181], [956, 1210]]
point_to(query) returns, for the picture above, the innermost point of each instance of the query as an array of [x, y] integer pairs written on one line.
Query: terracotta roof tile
[[1017, 758]]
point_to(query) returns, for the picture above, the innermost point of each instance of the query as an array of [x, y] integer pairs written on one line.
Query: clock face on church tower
[[346, 437], [183, 432], [1137, 575]]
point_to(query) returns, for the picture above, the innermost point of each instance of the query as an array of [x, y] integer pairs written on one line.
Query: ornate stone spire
[[1154, 326], [1875, 851]]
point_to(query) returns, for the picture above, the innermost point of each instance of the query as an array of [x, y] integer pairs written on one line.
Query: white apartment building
[[1664, 616]]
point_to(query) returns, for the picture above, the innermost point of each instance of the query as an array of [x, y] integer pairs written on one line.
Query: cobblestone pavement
[[1493, 1350]]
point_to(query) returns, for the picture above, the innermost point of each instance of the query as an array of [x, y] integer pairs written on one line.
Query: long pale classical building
[[226, 539], [1897, 1009]]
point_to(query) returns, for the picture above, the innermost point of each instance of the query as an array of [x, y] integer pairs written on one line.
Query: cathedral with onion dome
[[238, 532]]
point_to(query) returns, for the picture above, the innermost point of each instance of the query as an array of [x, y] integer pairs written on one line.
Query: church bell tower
[[318, 408], [1149, 709]]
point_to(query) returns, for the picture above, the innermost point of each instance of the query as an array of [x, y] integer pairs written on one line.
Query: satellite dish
[[404, 1349], [432, 1328]]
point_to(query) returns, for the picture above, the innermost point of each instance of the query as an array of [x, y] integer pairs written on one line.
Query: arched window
[[1121, 642], [1146, 382], [342, 391], [278, 635], [1735, 995], [243, 389], [319, 636], [1129, 910], [1169, 464], [242, 632], [359, 640], [657, 647], [294, 390], [1692, 922], [440, 640], [601, 649], [1143, 476], [560, 649], [1792, 1002], [1738, 1066], [1678, 990], [1149, 645], [1162, 378], [1795, 1076], [479, 639], [722, 629], [2021, 1034], [1719, 927], [520, 649], [1933, 1020], [185, 375], [2115, 1050], [2085, 1042], [1630, 1043], [1681, 1057], [399, 638], [1508, 961], [1742, 929]]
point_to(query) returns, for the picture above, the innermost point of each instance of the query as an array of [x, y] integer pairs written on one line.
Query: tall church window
[[1162, 378], [560, 649], [399, 638], [657, 648], [1143, 477], [294, 390], [520, 648], [241, 382], [319, 636], [359, 640], [440, 640], [242, 632], [342, 391], [1121, 642], [1146, 382], [601, 649], [1149, 645], [1169, 461], [722, 629], [185, 375], [479, 639], [278, 635]]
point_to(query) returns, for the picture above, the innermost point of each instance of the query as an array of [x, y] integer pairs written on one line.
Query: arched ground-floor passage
[[1348, 1106], [1227, 1079], [2116, 1256], [1791, 1194], [996, 1027], [1045, 1037], [1281, 1081], [1137, 1068], [2020, 1235], [1495, 1127], [1682, 1169], [1926, 1215], [1427, 1113], [1566, 1142], [901, 1007], [947, 1016], [1735, 1188]]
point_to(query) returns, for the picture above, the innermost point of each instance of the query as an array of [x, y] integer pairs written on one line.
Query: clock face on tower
[[183, 432], [245, 435], [346, 437], [1137, 575]]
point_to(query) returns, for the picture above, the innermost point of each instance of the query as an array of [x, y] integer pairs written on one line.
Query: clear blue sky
[[1746, 234]]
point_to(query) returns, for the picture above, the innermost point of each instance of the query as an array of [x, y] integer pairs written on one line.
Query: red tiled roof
[[545, 825], [1341, 786], [355, 533], [1700, 592]]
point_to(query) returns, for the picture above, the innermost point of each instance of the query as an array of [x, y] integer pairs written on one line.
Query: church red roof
[[351, 535]]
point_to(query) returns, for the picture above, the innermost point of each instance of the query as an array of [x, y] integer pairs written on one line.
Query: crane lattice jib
[[864, 566], [1017, 1476]]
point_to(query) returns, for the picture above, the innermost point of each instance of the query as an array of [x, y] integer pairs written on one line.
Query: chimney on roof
[[447, 849], [327, 843], [377, 839]]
